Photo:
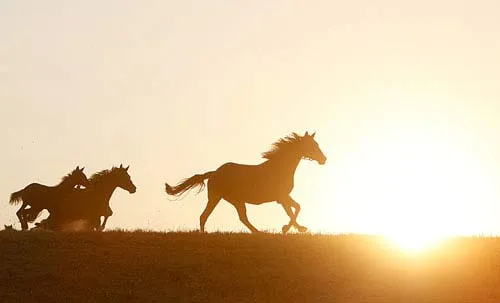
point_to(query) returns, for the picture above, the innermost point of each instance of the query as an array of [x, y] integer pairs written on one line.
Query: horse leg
[[212, 203], [20, 215], [103, 225], [29, 215], [287, 204], [296, 206], [109, 213], [242, 213], [289, 212], [32, 214]]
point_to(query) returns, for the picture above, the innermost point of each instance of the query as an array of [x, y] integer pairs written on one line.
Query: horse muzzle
[[132, 190]]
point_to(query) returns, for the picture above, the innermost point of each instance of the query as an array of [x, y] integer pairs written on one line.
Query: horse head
[[123, 180], [78, 177], [8, 227], [309, 149]]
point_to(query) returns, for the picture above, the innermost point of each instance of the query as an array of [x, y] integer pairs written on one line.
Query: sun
[[414, 187], [414, 242]]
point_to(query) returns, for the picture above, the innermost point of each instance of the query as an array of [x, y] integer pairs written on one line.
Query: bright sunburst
[[414, 242], [414, 187]]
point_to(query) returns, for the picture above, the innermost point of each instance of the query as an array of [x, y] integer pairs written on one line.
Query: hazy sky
[[404, 97]]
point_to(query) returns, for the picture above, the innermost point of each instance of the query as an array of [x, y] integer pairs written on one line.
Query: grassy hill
[[191, 267]]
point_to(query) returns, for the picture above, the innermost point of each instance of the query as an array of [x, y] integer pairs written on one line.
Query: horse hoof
[[302, 229]]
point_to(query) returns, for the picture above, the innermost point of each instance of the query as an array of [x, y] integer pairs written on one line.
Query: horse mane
[[66, 177], [97, 177], [69, 175], [282, 145]]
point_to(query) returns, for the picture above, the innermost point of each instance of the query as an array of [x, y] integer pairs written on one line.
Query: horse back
[[37, 192], [251, 183]]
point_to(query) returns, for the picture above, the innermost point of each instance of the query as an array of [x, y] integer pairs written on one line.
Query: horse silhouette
[[40, 197], [272, 180], [90, 203], [8, 227]]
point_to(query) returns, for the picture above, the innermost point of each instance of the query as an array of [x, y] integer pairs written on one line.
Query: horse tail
[[17, 197], [188, 184]]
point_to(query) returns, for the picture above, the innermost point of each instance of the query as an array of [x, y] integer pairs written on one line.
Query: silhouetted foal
[[40, 197]]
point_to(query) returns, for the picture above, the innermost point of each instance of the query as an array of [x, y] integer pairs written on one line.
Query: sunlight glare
[[414, 242], [414, 186]]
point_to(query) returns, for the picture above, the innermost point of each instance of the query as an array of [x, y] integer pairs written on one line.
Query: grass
[[119, 266]]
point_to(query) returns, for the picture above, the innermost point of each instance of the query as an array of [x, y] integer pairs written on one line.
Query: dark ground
[[191, 267]]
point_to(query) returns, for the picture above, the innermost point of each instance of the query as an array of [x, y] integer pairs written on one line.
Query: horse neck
[[104, 190], [286, 164], [66, 184]]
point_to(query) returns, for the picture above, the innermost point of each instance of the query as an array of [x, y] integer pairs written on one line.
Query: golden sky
[[404, 98]]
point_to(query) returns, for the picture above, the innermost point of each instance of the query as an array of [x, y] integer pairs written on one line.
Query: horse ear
[[121, 165], [81, 169], [306, 134], [78, 167], [314, 134], [126, 168]]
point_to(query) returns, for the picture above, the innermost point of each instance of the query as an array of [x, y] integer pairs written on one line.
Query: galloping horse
[[92, 202], [40, 196], [272, 180]]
